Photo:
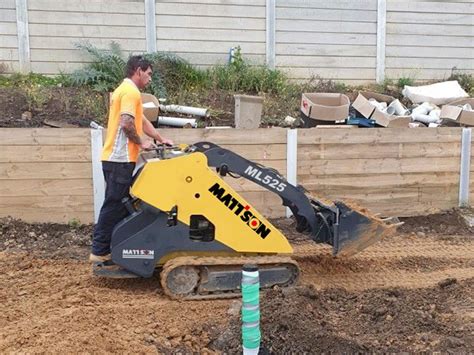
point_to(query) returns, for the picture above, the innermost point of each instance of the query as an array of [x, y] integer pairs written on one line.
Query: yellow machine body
[[188, 183]]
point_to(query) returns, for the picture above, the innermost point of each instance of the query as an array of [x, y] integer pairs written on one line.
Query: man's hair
[[135, 62]]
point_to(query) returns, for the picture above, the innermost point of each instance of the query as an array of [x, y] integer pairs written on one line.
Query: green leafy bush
[[105, 71], [172, 74]]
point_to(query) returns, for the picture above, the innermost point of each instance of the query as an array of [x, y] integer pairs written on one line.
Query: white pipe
[[187, 110], [424, 118], [436, 113], [177, 121], [397, 108], [424, 108]]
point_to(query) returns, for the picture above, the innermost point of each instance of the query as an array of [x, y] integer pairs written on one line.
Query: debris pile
[[440, 104]]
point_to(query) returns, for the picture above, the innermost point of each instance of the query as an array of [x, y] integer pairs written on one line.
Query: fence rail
[[46, 175]]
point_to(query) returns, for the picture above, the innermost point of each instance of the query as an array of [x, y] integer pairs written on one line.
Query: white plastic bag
[[438, 94]]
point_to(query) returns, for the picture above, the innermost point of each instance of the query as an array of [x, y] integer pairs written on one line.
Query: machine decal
[[240, 210], [267, 180], [138, 254]]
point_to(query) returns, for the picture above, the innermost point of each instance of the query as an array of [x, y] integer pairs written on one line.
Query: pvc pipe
[[177, 121], [424, 118], [397, 108], [424, 108], [390, 110], [187, 110], [250, 286], [436, 113]]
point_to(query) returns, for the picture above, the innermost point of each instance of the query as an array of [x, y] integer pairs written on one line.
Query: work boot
[[99, 258]]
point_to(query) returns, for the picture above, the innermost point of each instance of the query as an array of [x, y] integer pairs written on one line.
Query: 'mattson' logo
[[240, 210]]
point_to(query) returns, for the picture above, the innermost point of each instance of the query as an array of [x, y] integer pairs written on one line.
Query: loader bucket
[[357, 230]]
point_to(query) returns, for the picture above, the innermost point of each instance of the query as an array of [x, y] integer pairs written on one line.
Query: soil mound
[[50, 240], [305, 320]]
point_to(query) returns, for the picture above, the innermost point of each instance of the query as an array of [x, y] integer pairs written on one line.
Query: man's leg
[[118, 178]]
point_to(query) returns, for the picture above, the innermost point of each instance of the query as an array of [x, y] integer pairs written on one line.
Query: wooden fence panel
[[45, 174], [400, 172]]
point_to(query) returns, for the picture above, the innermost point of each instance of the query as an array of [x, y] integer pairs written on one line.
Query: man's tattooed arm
[[127, 123]]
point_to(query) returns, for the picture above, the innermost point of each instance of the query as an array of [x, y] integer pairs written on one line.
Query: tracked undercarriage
[[193, 278]]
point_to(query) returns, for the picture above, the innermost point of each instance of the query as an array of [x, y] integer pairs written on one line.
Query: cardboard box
[[323, 108], [453, 114], [151, 107], [366, 109]]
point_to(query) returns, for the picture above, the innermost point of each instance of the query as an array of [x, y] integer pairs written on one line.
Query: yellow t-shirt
[[126, 99]]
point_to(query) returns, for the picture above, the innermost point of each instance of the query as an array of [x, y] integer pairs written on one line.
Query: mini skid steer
[[187, 222]]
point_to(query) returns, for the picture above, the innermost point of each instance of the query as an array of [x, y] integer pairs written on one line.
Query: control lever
[[172, 217]]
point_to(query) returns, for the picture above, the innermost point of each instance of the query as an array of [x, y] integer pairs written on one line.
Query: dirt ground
[[51, 107], [412, 292], [76, 107]]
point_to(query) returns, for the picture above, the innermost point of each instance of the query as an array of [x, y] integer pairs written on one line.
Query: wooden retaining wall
[[404, 172], [46, 174]]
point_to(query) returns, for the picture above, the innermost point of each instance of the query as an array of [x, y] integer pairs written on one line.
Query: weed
[[172, 75], [37, 97], [20, 81], [241, 76], [3, 68], [91, 105], [74, 223], [318, 84], [401, 82], [465, 80]]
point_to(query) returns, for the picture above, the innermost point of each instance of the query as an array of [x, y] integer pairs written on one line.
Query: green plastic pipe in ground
[[250, 310]]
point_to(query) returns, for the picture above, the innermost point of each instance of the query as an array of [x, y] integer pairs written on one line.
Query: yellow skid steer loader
[[187, 222]]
